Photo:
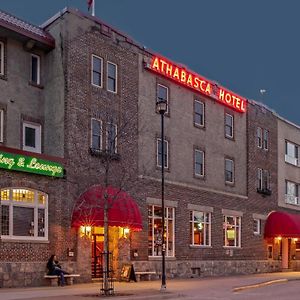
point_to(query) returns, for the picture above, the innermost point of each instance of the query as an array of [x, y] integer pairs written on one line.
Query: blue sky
[[244, 45]]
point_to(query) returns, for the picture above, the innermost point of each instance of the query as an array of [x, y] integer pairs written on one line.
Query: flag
[[89, 3]]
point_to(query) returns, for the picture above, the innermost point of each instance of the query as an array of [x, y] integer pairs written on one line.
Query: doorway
[[97, 250]]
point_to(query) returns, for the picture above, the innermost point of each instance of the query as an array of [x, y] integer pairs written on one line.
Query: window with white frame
[[257, 226], [1, 58], [200, 228], [96, 132], [32, 137], [229, 170], [111, 77], [35, 76], [266, 139], [232, 231], [198, 113], [259, 137], [263, 180], [292, 190], [292, 153], [199, 162], [24, 214], [97, 70], [229, 126], [111, 138], [1, 125], [155, 231], [159, 153], [163, 94]]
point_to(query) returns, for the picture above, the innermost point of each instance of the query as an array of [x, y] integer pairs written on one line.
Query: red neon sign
[[198, 83]]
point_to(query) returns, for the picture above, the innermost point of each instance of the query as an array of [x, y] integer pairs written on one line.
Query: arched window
[[24, 214]]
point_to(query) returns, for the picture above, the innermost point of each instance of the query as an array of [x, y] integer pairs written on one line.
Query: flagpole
[[93, 8]]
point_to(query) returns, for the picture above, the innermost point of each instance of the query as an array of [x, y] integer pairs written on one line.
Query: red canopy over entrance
[[282, 224], [122, 209]]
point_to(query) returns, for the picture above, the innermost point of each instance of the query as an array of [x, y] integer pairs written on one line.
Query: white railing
[[291, 199], [292, 160]]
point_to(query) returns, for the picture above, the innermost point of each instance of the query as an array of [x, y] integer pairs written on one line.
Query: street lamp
[[161, 106]]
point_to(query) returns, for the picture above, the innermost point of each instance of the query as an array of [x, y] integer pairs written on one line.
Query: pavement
[[230, 287]]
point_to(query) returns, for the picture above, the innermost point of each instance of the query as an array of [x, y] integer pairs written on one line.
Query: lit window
[[199, 163], [198, 113], [32, 137], [292, 153], [24, 214], [97, 67], [1, 58], [96, 134], [229, 171], [35, 69], [259, 137], [111, 138], [266, 139], [111, 77], [163, 94], [256, 226], [159, 153], [232, 231], [229, 126], [200, 228], [155, 231], [1, 125]]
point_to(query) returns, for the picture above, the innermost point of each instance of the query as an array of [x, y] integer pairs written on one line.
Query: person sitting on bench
[[55, 269]]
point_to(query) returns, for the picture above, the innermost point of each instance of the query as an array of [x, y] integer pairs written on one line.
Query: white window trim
[[116, 138], [205, 224], [266, 147], [38, 68], [1, 125], [35, 206], [167, 88], [233, 175], [259, 129], [292, 159], [203, 114], [293, 199], [258, 222], [109, 62], [38, 137], [235, 226], [203, 163], [92, 69], [101, 145], [2, 58], [167, 152], [232, 126]]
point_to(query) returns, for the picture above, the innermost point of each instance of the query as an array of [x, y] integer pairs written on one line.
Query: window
[[1, 125], [111, 138], [200, 228], [35, 69], [32, 137], [198, 113], [257, 226], [292, 153], [266, 139], [159, 153], [97, 70], [1, 58], [199, 163], [24, 214], [292, 193], [155, 231], [96, 130], [259, 137], [229, 126], [232, 231], [163, 94], [263, 181], [111, 77], [229, 171]]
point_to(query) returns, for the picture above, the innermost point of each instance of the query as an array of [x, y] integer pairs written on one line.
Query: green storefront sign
[[30, 164]]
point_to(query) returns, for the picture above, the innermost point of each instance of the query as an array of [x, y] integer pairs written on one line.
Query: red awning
[[282, 224], [122, 209]]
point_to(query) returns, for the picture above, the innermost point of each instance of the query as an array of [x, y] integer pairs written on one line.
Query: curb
[[266, 283]]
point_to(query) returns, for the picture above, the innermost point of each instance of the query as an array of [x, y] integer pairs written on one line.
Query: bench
[[54, 279], [146, 275]]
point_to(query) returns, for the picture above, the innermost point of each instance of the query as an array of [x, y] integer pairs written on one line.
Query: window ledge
[[159, 258], [200, 247], [104, 154], [265, 192], [36, 85], [18, 240], [232, 247]]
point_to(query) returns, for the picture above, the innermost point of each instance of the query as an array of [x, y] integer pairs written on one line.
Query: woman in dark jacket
[[55, 269]]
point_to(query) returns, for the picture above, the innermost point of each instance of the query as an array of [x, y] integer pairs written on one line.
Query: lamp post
[[161, 106]]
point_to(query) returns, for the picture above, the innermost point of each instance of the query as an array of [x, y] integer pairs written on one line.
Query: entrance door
[[97, 249]]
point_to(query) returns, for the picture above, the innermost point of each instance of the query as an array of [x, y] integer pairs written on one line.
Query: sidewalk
[[226, 287]]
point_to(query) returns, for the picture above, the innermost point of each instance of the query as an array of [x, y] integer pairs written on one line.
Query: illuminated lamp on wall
[[85, 230], [278, 239], [126, 232], [295, 240]]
